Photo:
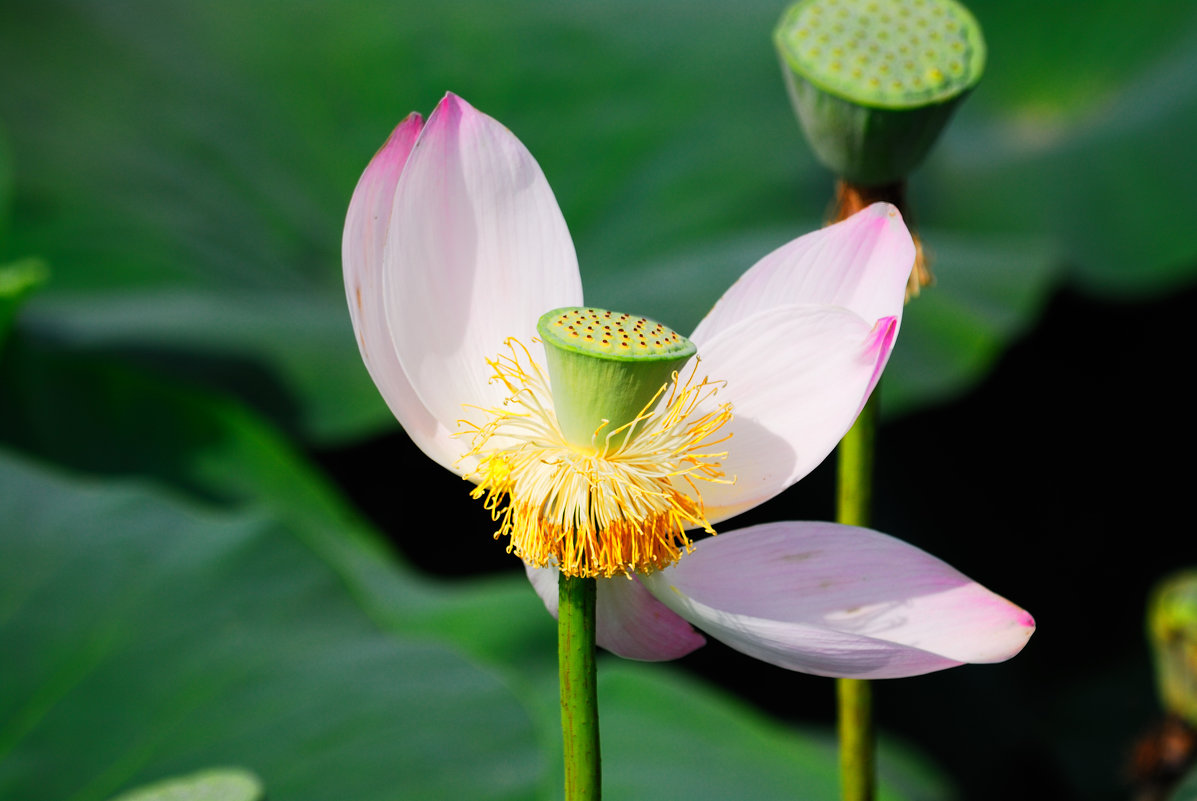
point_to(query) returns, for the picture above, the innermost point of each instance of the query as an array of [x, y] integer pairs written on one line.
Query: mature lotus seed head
[[873, 82], [608, 334], [884, 53], [606, 368]]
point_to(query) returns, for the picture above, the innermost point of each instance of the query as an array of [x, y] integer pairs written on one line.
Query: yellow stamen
[[621, 505]]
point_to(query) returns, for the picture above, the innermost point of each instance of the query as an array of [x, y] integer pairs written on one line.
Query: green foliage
[[189, 192], [248, 616], [218, 784], [1187, 789], [17, 281], [180, 587], [145, 638], [149, 636]]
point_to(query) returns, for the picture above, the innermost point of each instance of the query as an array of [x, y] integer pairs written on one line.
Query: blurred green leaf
[[283, 352], [186, 168], [660, 726], [215, 449], [103, 417], [192, 189], [6, 184], [17, 281], [1187, 789], [989, 290], [217, 784], [645, 708], [1079, 133], [145, 638]]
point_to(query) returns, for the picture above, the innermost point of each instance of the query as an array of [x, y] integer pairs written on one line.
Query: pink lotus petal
[[878, 348], [860, 264], [362, 246], [797, 376], [454, 243], [839, 601], [630, 622], [476, 251]]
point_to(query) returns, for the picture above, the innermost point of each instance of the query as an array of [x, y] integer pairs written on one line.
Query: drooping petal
[[629, 621], [362, 246], [797, 376], [839, 601], [860, 264], [476, 251]]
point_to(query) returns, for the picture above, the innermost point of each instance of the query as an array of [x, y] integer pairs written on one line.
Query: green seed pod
[[1172, 630], [873, 82], [606, 366]]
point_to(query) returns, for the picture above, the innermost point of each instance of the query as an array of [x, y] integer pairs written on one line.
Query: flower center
[[605, 367], [599, 475]]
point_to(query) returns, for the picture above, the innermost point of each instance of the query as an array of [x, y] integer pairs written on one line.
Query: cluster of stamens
[[621, 506]]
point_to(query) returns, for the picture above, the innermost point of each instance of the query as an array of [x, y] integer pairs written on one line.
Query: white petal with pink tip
[[477, 250], [796, 377], [839, 601], [860, 264], [362, 247], [454, 243]]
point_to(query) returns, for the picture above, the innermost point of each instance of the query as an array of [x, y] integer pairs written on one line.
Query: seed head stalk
[[579, 691], [854, 495], [858, 770], [606, 503], [855, 454]]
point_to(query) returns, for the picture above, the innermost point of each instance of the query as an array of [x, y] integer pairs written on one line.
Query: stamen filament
[[622, 505]]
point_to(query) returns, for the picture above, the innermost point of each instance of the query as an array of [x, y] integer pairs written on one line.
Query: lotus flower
[[598, 440]]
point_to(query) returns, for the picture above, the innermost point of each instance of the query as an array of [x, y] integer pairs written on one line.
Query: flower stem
[[579, 691], [858, 772]]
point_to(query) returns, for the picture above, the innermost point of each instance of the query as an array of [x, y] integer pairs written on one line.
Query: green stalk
[[579, 691], [858, 771]]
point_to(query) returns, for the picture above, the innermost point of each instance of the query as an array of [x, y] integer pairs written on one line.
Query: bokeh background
[[218, 548]]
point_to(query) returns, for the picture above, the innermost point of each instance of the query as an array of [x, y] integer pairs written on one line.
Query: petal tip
[[1008, 643], [453, 103], [880, 217], [885, 210], [881, 337], [395, 150], [415, 118], [412, 123], [882, 212], [452, 117]]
